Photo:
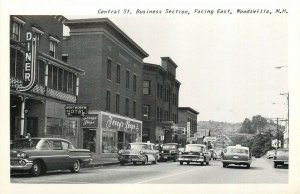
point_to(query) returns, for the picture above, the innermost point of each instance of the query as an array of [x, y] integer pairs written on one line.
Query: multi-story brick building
[[112, 84], [40, 110], [187, 119], [160, 101]]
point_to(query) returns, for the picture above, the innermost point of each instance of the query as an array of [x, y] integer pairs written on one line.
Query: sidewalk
[[96, 162]]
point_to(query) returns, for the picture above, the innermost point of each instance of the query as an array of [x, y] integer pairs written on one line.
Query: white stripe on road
[[150, 180]]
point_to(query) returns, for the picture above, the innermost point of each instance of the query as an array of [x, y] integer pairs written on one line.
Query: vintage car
[[194, 153], [270, 154], [139, 152], [218, 153], [281, 157], [170, 151], [238, 155], [38, 155]]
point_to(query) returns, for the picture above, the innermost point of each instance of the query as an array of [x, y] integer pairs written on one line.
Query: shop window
[[146, 87], [70, 128], [146, 112], [54, 126], [109, 142]]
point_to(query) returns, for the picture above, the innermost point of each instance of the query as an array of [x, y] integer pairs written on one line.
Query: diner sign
[[115, 122], [76, 110], [89, 121], [30, 63]]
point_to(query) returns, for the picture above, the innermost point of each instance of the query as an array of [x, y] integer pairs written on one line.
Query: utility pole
[[277, 133]]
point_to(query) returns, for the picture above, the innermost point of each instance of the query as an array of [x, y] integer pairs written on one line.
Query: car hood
[[15, 151]]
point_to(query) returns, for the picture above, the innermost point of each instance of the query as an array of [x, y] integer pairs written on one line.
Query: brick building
[[187, 119], [40, 109], [112, 84], [160, 101]]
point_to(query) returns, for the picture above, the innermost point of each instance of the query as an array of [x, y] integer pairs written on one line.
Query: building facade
[[187, 119], [112, 84], [160, 101], [39, 111]]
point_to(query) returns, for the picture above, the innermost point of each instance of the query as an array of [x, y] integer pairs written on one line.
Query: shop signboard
[[89, 121], [208, 138], [76, 110], [119, 123]]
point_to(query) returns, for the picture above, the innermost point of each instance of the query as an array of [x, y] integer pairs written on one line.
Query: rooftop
[[188, 109]]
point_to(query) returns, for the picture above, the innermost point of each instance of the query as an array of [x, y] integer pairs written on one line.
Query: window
[[50, 76], [16, 31], [65, 145], [146, 87], [118, 73], [52, 48], [41, 72], [37, 33], [117, 103], [54, 126], [127, 107], [127, 79], [134, 108], [65, 58], [60, 79], [74, 83], [65, 81], [108, 100], [70, 128], [160, 114], [16, 63], [134, 83], [108, 69], [157, 113], [146, 112], [70, 82], [157, 90], [54, 78]]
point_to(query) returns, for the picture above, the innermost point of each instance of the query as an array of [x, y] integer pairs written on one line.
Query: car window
[[44, 145], [55, 145], [237, 150], [65, 145]]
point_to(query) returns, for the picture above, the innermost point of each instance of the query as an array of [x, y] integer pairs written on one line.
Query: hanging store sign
[[76, 110], [30, 63], [89, 121], [115, 122]]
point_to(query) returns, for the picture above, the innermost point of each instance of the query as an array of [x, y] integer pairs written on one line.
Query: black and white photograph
[[162, 98]]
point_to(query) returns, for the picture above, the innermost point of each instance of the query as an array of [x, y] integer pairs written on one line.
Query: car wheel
[[36, 168], [181, 163], [207, 163], [225, 165], [275, 165], [75, 166], [146, 160], [187, 163], [248, 166], [122, 163]]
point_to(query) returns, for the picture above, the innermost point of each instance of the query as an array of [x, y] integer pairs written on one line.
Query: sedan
[[38, 155], [237, 155], [281, 157], [197, 153]]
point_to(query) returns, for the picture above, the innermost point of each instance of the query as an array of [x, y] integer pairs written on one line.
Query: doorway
[[32, 126]]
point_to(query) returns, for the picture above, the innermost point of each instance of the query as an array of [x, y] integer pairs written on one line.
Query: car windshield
[[169, 146], [137, 146], [194, 148], [26, 143], [237, 150]]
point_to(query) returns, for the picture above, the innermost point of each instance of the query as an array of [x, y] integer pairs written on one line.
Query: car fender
[[151, 157]]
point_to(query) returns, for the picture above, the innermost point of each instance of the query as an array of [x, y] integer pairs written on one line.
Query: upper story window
[[146, 112], [53, 45], [108, 100], [118, 73], [127, 79], [37, 33], [134, 108], [134, 83], [108, 69], [16, 63], [146, 87], [16, 28], [127, 107]]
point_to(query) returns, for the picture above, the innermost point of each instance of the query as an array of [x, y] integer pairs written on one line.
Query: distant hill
[[217, 128]]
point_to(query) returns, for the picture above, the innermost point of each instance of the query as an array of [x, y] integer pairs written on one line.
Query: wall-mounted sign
[[115, 122], [76, 110], [30, 63], [208, 138], [89, 121]]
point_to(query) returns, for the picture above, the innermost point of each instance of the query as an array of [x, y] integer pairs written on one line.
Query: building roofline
[[188, 108], [112, 25], [169, 59]]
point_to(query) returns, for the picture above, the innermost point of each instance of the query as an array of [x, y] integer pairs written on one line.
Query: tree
[[246, 126], [258, 122]]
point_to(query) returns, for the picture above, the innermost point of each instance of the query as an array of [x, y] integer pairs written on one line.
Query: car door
[[59, 155]]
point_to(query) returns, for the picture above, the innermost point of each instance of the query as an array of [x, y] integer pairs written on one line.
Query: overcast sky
[[226, 64]]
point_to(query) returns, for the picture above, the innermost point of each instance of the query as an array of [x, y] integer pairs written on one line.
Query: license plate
[[235, 157], [165, 157]]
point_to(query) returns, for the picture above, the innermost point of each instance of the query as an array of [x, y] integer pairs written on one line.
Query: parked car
[[38, 155], [170, 151], [270, 154], [238, 155], [158, 150], [218, 153], [281, 157], [194, 153], [138, 152]]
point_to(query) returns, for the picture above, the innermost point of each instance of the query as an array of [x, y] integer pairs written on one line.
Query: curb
[[93, 165]]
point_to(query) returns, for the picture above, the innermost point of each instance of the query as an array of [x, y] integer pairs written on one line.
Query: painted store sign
[[89, 121], [114, 122]]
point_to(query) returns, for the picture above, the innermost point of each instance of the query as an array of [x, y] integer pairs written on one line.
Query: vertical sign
[[188, 129], [30, 63]]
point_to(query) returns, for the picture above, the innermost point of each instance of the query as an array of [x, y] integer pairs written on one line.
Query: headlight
[[201, 154], [180, 153], [162, 151], [21, 155], [120, 152]]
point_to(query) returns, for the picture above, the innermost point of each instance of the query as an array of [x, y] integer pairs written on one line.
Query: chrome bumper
[[237, 161], [23, 164]]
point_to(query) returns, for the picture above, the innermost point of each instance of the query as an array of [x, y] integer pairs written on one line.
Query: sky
[[226, 64]]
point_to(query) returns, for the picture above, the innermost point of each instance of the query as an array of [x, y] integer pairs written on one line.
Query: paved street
[[261, 171]]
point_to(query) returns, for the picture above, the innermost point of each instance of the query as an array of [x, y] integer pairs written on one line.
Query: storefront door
[[89, 139], [32, 126]]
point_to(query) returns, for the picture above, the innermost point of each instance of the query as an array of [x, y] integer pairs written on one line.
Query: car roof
[[196, 144], [170, 144], [241, 147], [145, 143]]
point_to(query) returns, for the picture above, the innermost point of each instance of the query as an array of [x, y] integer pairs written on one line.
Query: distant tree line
[[253, 126]]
